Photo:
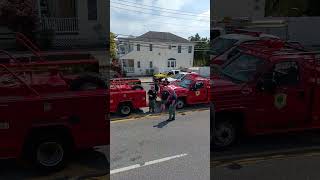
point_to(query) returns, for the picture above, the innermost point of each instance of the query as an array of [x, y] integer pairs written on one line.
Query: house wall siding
[[159, 57]]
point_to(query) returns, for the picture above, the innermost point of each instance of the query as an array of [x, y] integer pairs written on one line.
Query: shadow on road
[[162, 124], [82, 163], [144, 111]]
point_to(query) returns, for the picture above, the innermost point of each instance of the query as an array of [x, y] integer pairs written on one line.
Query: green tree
[[201, 55], [113, 46]]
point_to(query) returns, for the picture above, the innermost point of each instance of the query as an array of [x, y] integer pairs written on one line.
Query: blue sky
[[135, 17]]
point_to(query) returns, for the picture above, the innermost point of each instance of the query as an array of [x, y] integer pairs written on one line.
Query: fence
[[61, 25]]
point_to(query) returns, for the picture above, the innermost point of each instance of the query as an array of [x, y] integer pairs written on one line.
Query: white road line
[[146, 164]]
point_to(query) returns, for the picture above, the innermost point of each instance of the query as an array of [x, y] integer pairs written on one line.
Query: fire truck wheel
[[125, 109], [224, 135], [49, 153], [180, 103], [137, 87]]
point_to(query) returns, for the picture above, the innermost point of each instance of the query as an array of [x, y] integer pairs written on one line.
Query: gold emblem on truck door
[[197, 93], [280, 100]]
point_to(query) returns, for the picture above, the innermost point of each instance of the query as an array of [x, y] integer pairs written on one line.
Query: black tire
[[49, 153], [224, 135], [88, 82], [180, 103], [125, 109], [137, 87]]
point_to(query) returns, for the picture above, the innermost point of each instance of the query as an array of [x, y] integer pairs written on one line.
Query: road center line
[[146, 164]]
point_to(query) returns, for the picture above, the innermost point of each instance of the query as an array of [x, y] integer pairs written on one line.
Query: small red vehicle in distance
[[191, 90], [126, 97]]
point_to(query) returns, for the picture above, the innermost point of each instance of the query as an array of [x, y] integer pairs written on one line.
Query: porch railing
[[129, 69], [60, 25]]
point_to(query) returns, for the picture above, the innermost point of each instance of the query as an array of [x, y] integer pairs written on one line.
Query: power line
[[158, 14], [175, 24], [159, 9]]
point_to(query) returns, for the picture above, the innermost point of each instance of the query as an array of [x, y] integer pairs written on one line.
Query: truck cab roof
[[273, 50]]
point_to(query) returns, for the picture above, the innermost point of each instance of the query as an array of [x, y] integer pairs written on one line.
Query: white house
[[154, 52]]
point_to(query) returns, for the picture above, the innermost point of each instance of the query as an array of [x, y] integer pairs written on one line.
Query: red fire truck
[[126, 97], [45, 116], [265, 89], [191, 90]]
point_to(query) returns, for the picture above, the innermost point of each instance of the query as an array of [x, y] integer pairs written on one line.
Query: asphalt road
[[291, 156], [150, 148], [298, 167]]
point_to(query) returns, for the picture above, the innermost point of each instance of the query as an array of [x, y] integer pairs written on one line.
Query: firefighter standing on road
[[152, 94], [164, 99], [172, 106]]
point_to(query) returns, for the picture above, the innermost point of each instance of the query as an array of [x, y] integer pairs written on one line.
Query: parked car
[[181, 76], [167, 74]]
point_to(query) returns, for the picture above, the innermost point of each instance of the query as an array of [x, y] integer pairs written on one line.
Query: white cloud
[[126, 22]]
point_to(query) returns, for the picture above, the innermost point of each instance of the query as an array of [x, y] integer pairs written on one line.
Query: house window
[[172, 63], [169, 46], [179, 49], [151, 64], [138, 64], [92, 10], [190, 49], [150, 47], [138, 47]]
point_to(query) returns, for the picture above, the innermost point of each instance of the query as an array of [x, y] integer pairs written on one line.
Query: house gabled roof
[[153, 36]]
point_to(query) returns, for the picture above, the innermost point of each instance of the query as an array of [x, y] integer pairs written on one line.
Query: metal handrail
[[22, 81], [28, 44]]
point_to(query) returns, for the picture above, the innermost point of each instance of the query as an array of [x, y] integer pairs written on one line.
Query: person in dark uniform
[[164, 99], [172, 106], [156, 86], [152, 94]]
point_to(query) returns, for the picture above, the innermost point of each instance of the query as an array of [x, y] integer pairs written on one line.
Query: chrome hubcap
[[180, 104], [224, 135], [50, 154], [125, 110]]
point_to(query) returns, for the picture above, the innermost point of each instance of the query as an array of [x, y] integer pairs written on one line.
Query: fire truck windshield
[[185, 83], [220, 45], [243, 68]]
